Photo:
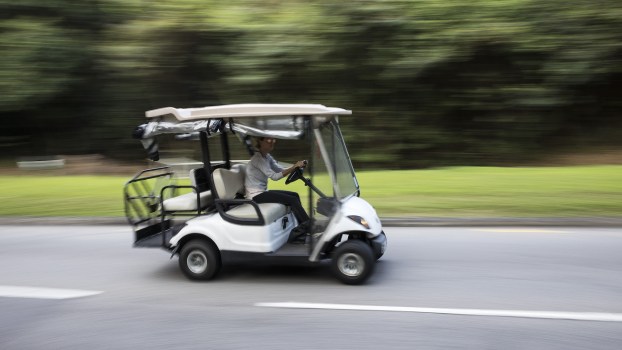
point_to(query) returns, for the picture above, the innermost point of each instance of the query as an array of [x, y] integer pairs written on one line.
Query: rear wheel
[[199, 260], [353, 262]]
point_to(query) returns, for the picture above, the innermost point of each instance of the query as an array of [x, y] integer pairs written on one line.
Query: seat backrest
[[198, 179], [228, 183]]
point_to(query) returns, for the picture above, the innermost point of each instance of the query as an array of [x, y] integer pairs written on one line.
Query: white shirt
[[258, 170]]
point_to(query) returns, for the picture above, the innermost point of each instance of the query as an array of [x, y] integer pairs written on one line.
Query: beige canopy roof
[[245, 110]]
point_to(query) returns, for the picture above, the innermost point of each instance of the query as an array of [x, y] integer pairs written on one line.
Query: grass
[[62, 195], [579, 191], [493, 192]]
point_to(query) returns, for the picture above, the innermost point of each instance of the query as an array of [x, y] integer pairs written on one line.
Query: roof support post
[[224, 142], [207, 165]]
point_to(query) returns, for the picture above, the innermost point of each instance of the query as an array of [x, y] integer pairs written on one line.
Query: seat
[[229, 185], [188, 201]]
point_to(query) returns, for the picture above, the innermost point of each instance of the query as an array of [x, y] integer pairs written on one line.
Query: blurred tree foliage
[[430, 82]]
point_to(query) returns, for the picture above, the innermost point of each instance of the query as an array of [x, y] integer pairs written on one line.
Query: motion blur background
[[432, 83]]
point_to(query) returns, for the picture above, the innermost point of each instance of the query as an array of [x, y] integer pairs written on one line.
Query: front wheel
[[199, 260], [353, 262]]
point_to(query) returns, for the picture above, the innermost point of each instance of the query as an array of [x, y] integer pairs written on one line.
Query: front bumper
[[379, 244]]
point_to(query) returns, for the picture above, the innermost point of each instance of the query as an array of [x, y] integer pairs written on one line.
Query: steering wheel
[[297, 174]]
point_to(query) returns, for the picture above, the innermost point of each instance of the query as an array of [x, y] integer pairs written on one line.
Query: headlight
[[359, 220]]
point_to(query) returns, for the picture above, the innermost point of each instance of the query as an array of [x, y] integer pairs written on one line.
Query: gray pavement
[[505, 280]]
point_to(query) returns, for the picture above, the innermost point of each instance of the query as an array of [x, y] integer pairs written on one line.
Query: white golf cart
[[207, 221]]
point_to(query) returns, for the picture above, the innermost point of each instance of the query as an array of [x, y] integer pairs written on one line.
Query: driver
[[261, 167]]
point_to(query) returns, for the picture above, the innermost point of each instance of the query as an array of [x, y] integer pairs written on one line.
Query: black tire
[[199, 260], [353, 262]]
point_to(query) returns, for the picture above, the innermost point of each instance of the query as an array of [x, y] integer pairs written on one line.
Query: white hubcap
[[196, 261], [351, 264]]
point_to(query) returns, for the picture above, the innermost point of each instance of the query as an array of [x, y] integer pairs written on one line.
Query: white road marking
[[580, 316], [44, 293], [517, 230]]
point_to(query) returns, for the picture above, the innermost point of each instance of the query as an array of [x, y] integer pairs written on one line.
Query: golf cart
[[201, 214]]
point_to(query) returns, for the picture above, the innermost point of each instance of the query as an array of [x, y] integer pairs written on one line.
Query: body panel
[[243, 238]]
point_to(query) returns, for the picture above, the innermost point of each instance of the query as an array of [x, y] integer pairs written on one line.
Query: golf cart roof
[[245, 111], [253, 119]]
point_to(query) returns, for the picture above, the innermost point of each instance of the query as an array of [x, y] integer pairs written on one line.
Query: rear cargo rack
[[145, 208], [142, 195]]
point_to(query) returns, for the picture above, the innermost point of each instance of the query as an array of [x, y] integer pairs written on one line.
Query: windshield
[[334, 174]]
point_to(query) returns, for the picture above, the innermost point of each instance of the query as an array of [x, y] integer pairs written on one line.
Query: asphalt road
[[435, 288]]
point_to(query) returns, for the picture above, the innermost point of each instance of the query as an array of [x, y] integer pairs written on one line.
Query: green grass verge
[[581, 191], [495, 192]]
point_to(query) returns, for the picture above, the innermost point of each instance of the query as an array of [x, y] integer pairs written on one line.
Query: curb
[[388, 222]]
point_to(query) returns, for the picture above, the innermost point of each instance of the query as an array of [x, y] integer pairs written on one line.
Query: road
[[435, 288]]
